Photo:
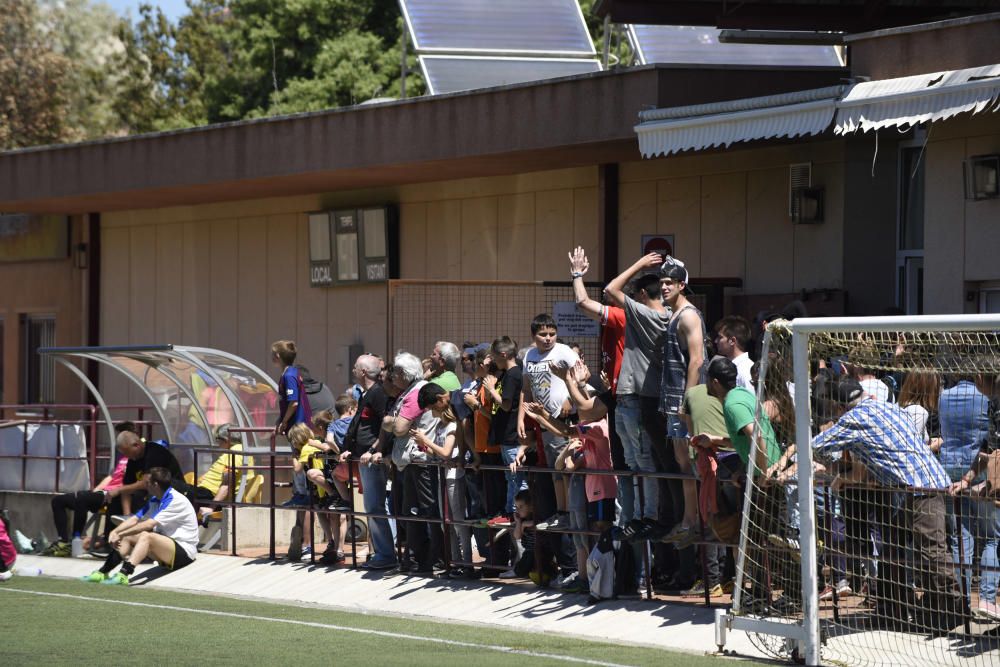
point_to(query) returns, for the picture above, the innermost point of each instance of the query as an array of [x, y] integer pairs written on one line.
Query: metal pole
[[271, 500], [232, 495], [807, 507], [403, 66], [606, 46]]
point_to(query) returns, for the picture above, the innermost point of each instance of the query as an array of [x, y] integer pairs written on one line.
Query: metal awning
[[701, 126], [923, 98], [870, 105], [192, 389]]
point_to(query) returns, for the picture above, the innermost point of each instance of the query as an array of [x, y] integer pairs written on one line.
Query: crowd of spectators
[[614, 479]]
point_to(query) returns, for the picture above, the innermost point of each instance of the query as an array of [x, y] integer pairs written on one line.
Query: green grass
[[62, 630]]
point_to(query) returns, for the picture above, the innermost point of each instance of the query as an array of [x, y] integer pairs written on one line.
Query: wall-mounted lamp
[[808, 205], [982, 177], [80, 255]]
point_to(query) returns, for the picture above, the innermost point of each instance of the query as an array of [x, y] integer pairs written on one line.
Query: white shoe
[[509, 574], [7, 575]]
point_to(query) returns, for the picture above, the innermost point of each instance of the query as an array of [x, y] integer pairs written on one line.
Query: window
[[38, 375], [910, 226]]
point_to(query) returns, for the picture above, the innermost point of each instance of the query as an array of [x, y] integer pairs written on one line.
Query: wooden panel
[[443, 254], [115, 289], [371, 320], [196, 284], [944, 232], [311, 305], [225, 272], [637, 216], [283, 275], [678, 212], [770, 238], [585, 231], [553, 233], [253, 293], [516, 237], [413, 240], [723, 226], [342, 305], [479, 238], [169, 282], [142, 295], [819, 249], [982, 231]]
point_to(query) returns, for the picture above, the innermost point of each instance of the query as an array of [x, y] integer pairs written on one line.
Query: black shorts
[[201, 495], [181, 559], [601, 510]]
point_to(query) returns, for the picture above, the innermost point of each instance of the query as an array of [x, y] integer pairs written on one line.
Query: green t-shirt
[[739, 410], [447, 381], [705, 412]]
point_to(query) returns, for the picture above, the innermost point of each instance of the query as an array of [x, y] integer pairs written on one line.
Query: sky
[[172, 8]]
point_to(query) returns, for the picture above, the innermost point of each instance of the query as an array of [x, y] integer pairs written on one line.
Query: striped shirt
[[882, 437]]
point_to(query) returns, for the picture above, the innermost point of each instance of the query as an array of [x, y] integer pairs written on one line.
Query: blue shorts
[[676, 427]]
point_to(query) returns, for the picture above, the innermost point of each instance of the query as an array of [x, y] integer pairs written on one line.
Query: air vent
[[799, 177]]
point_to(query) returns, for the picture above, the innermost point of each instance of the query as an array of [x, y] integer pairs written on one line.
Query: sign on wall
[[26, 237], [351, 246], [571, 322], [661, 243]]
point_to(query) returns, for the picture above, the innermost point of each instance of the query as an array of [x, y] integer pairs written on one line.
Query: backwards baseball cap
[[846, 390], [674, 269]]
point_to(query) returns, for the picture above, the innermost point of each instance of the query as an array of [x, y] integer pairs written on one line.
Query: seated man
[[214, 484], [166, 529], [82, 502], [142, 457]]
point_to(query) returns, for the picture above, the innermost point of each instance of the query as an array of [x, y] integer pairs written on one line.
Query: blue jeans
[[638, 453], [373, 479], [515, 481], [977, 519]]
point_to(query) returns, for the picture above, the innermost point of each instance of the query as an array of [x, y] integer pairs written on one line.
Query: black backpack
[[319, 395], [625, 574]]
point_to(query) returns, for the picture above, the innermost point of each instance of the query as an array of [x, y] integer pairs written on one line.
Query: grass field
[[58, 621]]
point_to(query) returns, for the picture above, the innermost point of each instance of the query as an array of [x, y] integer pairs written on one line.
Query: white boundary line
[[326, 626]]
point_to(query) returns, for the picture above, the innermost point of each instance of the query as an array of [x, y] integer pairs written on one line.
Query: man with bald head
[[142, 457], [362, 445]]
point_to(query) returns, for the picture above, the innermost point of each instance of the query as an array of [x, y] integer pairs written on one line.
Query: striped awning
[[923, 98], [701, 126], [865, 106]]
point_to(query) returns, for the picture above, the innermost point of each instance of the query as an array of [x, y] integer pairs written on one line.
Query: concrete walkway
[[524, 608]]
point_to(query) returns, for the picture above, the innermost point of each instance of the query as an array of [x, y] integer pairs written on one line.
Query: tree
[[86, 34], [33, 101]]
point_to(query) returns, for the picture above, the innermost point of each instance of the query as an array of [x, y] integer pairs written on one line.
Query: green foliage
[[33, 101]]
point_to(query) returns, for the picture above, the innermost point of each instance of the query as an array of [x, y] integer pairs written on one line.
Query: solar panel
[[687, 45], [449, 74], [552, 27]]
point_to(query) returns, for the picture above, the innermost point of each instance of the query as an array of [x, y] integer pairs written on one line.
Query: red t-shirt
[[612, 342]]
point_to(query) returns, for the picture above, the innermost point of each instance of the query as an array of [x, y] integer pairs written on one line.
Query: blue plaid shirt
[[881, 436]]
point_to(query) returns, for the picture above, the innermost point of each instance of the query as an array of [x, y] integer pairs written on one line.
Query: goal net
[[873, 539]]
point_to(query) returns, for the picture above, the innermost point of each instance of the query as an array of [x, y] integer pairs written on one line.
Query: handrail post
[[271, 500], [232, 495]]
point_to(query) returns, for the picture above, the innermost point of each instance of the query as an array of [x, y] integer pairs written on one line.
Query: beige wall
[[44, 287], [728, 213], [234, 276], [961, 238]]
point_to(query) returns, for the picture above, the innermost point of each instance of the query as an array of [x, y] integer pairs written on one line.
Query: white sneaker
[[509, 574], [6, 575], [560, 582]]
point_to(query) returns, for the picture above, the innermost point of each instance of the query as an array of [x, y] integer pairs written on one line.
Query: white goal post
[[798, 624]]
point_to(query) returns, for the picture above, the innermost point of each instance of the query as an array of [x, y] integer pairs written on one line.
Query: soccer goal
[[873, 539]]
